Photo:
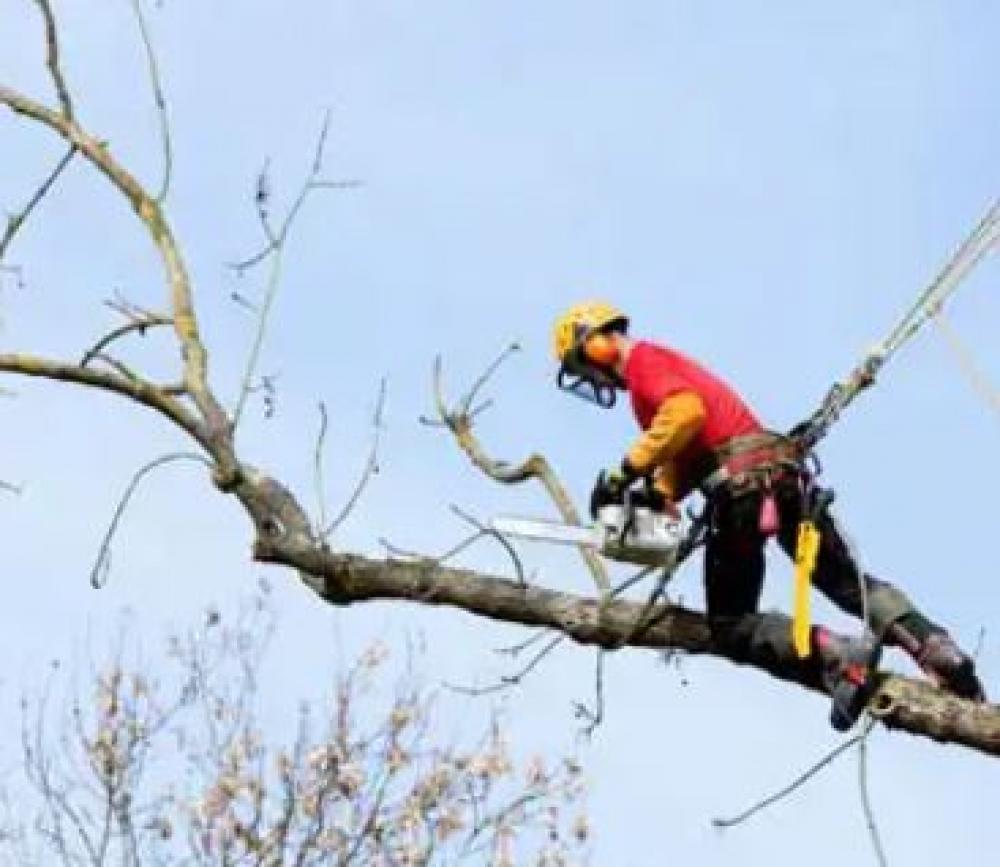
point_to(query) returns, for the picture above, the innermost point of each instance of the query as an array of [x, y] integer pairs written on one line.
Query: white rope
[[967, 363], [981, 241]]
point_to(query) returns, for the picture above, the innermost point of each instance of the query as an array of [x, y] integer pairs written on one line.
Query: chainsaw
[[626, 531]]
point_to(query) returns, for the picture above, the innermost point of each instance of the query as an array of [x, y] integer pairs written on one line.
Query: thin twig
[[799, 781], [159, 98], [16, 221], [595, 715], [318, 465], [99, 572], [980, 641], [272, 288], [510, 680], [489, 531], [396, 551], [516, 650], [52, 59], [371, 467], [866, 803], [466, 402], [119, 367], [140, 325], [129, 309], [274, 250]]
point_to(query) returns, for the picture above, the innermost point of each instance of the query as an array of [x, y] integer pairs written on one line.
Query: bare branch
[[185, 323], [371, 467], [137, 389], [136, 325], [101, 568], [510, 680], [594, 716], [318, 481], [516, 650], [274, 250], [901, 703], [797, 783], [478, 385], [52, 59], [159, 98], [488, 531], [16, 221], [459, 422], [396, 551], [274, 280], [118, 366], [866, 803]]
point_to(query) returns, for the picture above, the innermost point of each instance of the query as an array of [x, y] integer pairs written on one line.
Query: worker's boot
[[936, 652], [850, 667]]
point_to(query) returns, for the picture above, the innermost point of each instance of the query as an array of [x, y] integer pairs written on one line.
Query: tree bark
[[901, 703]]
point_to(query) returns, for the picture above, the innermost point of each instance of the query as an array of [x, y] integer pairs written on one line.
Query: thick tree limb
[[901, 703], [185, 323], [137, 389]]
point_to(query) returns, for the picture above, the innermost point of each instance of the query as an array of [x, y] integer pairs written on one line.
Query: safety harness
[[754, 464]]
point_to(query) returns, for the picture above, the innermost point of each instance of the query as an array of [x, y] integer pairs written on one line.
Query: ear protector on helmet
[[601, 348]]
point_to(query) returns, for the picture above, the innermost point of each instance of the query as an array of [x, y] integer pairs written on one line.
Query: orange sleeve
[[677, 421]]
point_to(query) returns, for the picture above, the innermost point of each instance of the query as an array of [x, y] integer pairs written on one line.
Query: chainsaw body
[[625, 532]]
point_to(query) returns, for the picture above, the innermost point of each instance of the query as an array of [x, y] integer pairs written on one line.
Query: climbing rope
[[967, 363], [929, 304]]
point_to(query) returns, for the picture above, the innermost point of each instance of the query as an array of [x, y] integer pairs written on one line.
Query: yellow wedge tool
[[806, 555]]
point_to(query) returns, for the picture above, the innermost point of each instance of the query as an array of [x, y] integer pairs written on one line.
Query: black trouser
[[734, 574]]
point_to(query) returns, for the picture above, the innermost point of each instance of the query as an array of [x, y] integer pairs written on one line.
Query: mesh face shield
[[587, 381]]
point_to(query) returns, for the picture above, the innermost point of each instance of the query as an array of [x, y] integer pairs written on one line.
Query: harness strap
[[748, 458]]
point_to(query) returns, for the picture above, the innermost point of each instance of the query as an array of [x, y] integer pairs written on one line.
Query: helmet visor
[[587, 382]]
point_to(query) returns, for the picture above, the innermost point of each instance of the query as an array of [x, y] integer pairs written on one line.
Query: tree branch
[[141, 325], [370, 469], [160, 100], [16, 221], [52, 60], [137, 389], [185, 323], [460, 422], [900, 703]]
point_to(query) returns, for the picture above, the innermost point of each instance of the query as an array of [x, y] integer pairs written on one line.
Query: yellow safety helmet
[[580, 322], [586, 352]]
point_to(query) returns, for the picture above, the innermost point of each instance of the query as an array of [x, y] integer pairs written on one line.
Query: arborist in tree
[[699, 435]]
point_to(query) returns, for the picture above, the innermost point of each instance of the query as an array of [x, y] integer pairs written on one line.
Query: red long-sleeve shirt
[[654, 375]]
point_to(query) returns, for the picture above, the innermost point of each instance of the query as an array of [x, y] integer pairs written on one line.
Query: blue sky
[[765, 185]]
